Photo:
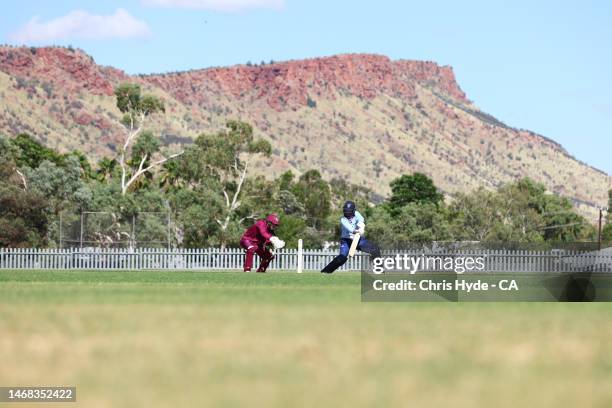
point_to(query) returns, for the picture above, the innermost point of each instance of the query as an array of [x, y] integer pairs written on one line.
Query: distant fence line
[[160, 258], [106, 229], [286, 259]]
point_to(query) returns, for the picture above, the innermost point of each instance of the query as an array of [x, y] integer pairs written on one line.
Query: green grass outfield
[[182, 339]]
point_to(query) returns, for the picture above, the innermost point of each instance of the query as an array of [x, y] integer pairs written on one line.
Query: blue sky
[[539, 65]]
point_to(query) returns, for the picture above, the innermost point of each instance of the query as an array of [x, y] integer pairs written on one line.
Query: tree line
[[211, 195]]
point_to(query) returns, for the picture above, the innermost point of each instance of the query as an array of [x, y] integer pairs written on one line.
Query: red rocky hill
[[363, 115]]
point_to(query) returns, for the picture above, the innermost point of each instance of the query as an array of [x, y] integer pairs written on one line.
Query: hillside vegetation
[[363, 115]]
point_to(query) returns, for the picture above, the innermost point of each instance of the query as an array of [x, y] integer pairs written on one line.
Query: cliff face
[[363, 116], [70, 70], [289, 85]]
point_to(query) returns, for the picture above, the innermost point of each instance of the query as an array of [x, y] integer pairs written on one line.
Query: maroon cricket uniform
[[254, 240]]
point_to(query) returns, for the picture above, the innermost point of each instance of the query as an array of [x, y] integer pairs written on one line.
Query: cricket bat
[[354, 244]]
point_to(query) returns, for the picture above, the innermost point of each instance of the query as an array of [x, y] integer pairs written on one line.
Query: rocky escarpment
[[357, 115]]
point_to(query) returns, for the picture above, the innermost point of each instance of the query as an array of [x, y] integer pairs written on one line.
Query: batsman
[[352, 227], [256, 240]]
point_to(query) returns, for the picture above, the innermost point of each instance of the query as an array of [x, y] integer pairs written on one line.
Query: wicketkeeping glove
[[277, 242]]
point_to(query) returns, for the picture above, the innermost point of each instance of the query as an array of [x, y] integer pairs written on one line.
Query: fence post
[[81, 238], [300, 254]]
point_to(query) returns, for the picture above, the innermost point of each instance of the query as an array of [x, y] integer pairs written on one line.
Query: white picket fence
[[286, 259], [159, 258]]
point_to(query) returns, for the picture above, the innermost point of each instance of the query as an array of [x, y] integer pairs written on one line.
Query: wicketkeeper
[[255, 240], [352, 223]]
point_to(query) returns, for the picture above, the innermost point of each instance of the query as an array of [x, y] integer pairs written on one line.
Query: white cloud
[[80, 24], [218, 5]]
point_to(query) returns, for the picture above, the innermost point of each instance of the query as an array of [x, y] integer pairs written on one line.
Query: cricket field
[[230, 339]]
